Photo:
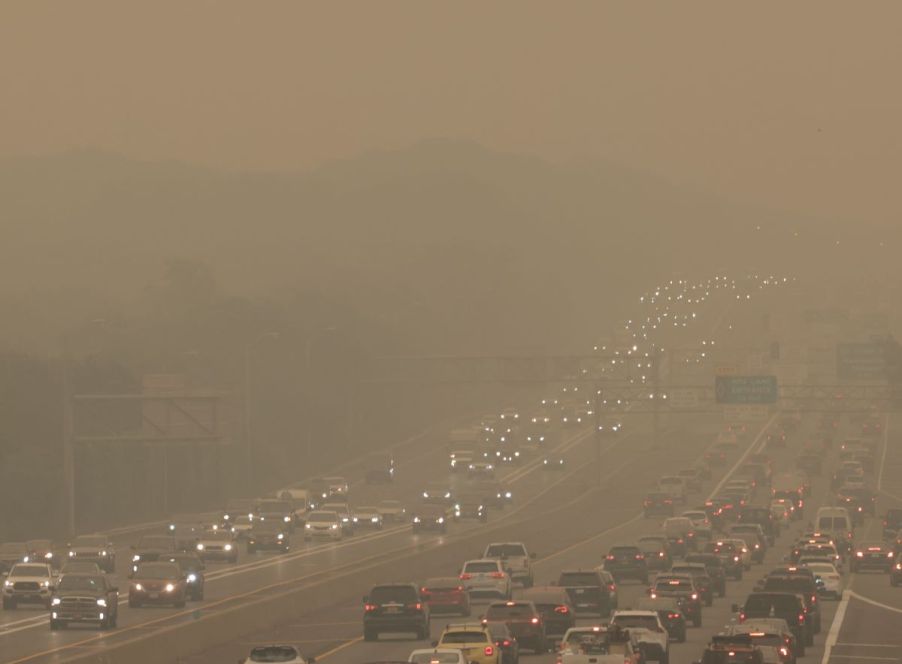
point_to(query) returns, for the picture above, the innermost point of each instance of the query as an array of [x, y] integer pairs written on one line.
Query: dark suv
[[788, 606], [657, 503], [587, 591], [626, 561], [524, 621], [716, 570], [764, 518], [395, 608]]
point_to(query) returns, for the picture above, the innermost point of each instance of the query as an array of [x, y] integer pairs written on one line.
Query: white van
[[836, 522], [299, 499]]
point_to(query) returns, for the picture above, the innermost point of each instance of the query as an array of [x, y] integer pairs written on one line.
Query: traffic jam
[[730, 556]]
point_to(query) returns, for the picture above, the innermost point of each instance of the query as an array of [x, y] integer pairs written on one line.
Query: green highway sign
[[745, 389]]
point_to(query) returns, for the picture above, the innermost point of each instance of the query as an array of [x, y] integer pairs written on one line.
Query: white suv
[[515, 558], [485, 578]]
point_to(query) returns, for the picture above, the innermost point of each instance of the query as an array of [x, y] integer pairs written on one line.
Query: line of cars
[[781, 617]]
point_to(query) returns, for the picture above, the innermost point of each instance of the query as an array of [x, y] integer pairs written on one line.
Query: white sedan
[[437, 656], [829, 575]]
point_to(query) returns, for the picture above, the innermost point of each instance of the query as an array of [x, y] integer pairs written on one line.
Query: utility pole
[[656, 406], [68, 450], [248, 429], [598, 438]]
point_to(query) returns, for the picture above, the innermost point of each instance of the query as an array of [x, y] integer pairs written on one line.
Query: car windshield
[[88, 541], [75, 582], [501, 550], [30, 570], [274, 654], [509, 612], [157, 571], [764, 605], [155, 542], [465, 637], [435, 657], [645, 622], [322, 517], [831, 522], [481, 568], [393, 594], [578, 579]]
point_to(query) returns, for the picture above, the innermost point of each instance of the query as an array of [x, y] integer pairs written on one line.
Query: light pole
[[308, 355], [248, 429]]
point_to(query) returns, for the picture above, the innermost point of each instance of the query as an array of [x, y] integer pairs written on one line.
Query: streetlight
[[308, 354], [248, 430]]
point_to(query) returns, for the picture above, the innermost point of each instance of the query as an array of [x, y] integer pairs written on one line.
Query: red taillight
[[561, 609], [673, 616], [489, 651], [424, 591], [639, 556], [369, 607], [612, 587], [801, 618], [506, 643], [465, 576], [460, 589], [609, 557], [418, 606], [741, 617], [497, 575]]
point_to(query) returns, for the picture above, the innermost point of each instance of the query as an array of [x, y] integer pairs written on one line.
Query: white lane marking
[[858, 657], [872, 602], [833, 634], [751, 448], [862, 645]]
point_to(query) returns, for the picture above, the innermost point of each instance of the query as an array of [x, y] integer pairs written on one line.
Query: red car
[[446, 595]]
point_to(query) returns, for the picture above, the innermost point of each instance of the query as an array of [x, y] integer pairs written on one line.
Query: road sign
[[683, 398], [745, 389], [860, 360], [745, 413]]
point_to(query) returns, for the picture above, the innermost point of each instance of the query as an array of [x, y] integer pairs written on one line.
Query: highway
[[311, 597]]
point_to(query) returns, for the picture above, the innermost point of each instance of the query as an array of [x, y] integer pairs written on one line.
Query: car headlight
[[45, 584], [307, 525], [334, 526], [72, 554], [104, 553], [354, 519], [280, 536], [441, 519], [138, 587], [55, 601], [8, 584], [286, 519], [136, 558], [200, 547], [100, 602], [192, 578], [227, 547], [507, 494], [48, 555], [169, 587], [416, 519], [375, 519], [225, 517], [171, 526]]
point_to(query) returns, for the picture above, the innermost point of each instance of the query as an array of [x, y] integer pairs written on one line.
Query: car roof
[[544, 593]]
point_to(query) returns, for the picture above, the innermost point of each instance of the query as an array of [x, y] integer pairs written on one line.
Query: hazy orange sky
[[790, 104]]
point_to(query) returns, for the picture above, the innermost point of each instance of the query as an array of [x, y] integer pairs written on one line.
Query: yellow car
[[474, 640]]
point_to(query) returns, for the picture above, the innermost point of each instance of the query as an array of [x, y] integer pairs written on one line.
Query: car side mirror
[[734, 608]]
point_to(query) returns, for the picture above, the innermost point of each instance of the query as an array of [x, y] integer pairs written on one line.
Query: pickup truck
[[84, 598], [515, 558]]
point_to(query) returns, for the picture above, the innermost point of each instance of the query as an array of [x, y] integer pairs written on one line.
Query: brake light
[[424, 591], [460, 589], [639, 556], [741, 617], [561, 609], [801, 618], [369, 607], [609, 557], [497, 575], [673, 616], [465, 576], [489, 651], [612, 587], [506, 643], [418, 606]]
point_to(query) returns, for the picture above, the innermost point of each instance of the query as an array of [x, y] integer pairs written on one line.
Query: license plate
[[392, 609], [154, 595]]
